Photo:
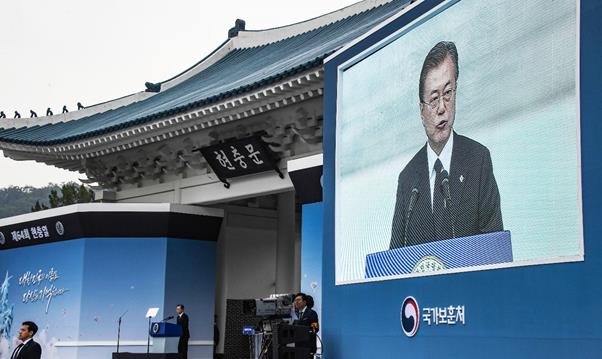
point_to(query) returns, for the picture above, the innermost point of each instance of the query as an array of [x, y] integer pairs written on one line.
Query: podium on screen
[[479, 250]]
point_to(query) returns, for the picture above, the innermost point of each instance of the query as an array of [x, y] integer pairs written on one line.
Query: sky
[[61, 52]]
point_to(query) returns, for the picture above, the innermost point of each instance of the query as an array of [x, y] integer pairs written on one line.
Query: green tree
[[71, 193], [16, 200], [38, 207]]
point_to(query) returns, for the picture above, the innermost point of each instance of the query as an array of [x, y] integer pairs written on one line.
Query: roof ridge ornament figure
[[49, 112], [151, 87], [239, 25]]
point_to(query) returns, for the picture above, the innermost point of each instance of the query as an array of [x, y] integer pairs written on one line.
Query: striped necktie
[[16, 352], [441, 214]]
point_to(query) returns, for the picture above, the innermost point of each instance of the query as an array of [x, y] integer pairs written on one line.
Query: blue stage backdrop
[[311, 253], [76, 290], [548, 310], [76, 287]]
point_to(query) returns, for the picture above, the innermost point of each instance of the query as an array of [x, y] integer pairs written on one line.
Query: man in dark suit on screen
[[447, 189], [182, 320], [28, 349]]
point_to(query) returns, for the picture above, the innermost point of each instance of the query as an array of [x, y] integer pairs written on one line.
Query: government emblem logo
[[428, 264], [410, 316], [59, 228]]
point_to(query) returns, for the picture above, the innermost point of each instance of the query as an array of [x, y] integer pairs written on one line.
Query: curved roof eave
[[322, 36]]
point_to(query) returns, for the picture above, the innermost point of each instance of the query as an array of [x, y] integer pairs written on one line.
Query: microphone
[[445, 188], [168, 318], [447, 202], [122, 315], [413, 200], [119, 328]]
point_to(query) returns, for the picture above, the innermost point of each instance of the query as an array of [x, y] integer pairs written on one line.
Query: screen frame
[[373, 49]]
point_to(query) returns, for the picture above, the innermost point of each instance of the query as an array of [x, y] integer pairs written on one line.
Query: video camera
[[277, 305]]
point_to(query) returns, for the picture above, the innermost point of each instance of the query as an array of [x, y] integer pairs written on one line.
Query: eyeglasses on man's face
[[447, 95]]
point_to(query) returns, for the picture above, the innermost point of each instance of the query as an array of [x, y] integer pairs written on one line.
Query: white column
[[285, 251]]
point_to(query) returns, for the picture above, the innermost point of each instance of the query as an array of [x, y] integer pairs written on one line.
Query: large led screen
[[457, 144]]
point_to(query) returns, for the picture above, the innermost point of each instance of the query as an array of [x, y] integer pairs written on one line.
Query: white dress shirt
[[300, 315], [445, 158]]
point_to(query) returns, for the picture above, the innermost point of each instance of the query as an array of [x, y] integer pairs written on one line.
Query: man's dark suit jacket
[[183, 342], [183, 321], [31, 350], [475, 197], [308, 317]]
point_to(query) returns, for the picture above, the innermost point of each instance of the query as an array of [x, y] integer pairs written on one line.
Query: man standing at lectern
[[28, 349], [183, 321], [448, 189], [306, 316]]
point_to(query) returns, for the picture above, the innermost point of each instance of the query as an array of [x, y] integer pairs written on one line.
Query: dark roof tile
[[239, 71]]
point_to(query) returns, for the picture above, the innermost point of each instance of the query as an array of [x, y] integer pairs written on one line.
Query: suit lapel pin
[[461, 178]]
